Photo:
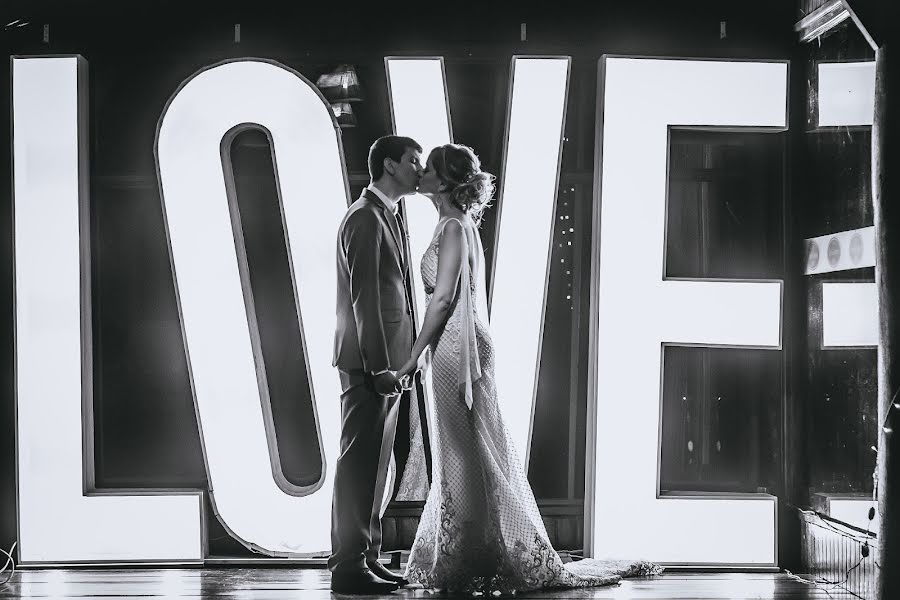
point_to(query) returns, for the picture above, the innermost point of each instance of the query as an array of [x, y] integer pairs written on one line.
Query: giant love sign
[[64, 519]]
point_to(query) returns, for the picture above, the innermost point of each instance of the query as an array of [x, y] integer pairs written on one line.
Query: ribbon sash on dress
[[469, 361]]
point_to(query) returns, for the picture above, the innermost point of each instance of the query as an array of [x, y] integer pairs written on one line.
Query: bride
[[480, 529]]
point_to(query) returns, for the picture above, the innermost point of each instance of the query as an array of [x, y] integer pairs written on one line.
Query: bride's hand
[[408, 368], [424, 358], [405, 376]]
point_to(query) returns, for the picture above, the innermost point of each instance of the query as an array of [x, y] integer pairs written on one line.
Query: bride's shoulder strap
[[442, 226], [446, 220]]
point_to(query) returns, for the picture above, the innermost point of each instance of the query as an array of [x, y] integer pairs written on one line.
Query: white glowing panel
[[420, 110], [527, 207], [61, 517], [250, 493], [846, 93], [849, 315], [638, 311], [854, 511]]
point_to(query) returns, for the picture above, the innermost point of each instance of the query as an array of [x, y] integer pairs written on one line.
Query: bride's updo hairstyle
[[459, 170]]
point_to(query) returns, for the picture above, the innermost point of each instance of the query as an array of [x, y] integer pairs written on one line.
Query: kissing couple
[[480, 530]]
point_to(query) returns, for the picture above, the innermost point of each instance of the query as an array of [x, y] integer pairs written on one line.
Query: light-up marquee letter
[[250, 493], [534, 129], [527, 205], [62, 518], [419, 108], [638, 310]]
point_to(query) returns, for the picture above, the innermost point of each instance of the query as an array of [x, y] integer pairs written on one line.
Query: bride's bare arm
[[453, 240]]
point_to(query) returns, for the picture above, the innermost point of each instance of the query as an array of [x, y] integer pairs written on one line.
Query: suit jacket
[[374, 311]]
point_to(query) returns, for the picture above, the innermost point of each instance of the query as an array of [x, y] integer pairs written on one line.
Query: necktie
[[403, 238], [405, 250]]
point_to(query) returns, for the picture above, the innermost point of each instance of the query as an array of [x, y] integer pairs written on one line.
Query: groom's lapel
[[392, 225]]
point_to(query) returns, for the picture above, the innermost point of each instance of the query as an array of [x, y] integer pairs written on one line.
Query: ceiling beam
[[822, 20]]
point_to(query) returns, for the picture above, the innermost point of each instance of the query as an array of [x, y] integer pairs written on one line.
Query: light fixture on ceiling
[[343, 113], [341, 87]]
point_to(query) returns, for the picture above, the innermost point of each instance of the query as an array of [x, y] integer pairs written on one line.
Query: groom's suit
[[374, 333]]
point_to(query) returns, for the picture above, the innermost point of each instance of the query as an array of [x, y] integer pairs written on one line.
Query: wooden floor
[[312, 583]]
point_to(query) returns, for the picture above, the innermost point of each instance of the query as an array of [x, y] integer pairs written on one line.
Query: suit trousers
[[368, 426]]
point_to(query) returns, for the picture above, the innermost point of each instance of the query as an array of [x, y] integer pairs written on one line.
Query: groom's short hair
[[389, 146]]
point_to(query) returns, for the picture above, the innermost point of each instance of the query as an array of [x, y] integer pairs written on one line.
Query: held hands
[[406, 382], [387, 384], [391, 383], [408, 371]]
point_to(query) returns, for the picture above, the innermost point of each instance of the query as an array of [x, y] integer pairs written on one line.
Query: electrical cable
[[9, 561]]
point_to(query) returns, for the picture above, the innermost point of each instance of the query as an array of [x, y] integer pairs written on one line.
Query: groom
[[374, 337]]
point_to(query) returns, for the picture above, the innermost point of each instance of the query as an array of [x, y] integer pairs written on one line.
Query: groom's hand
[[386, 383]]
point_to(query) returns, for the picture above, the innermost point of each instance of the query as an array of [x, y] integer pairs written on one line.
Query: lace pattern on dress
[[481, 530]]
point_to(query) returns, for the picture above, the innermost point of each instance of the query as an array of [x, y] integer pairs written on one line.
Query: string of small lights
[[566, 246]]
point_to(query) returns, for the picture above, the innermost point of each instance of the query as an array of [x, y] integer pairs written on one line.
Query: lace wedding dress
[[480, 529]]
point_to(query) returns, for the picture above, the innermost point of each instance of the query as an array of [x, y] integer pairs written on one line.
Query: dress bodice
[[465, 332], [429, 267]]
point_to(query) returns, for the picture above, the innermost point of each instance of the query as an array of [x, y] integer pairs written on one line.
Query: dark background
[[793, 422]]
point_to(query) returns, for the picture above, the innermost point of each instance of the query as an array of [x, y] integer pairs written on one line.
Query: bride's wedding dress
[[480, 528]]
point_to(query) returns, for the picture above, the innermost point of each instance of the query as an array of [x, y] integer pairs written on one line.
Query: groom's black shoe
[[361, 582], [381, 571]]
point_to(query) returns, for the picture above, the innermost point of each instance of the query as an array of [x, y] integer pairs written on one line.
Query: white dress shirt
[[388, 203]]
